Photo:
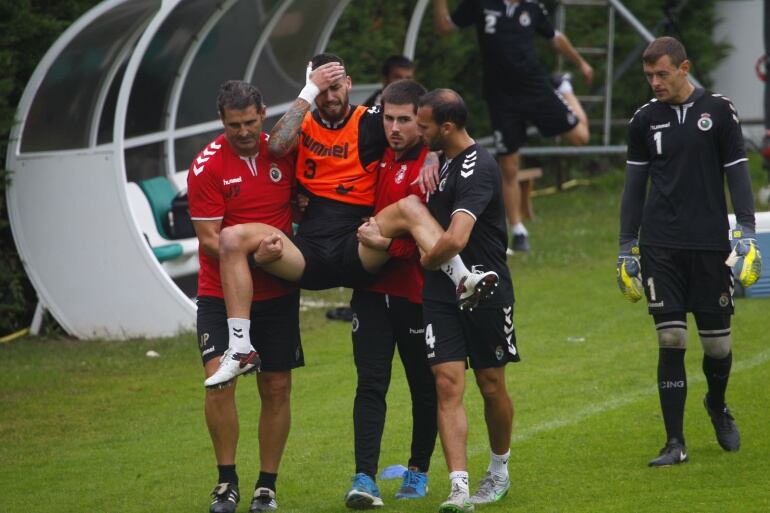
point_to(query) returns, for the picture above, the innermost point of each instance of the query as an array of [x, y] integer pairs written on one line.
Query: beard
[[334, 112], [435, 144]]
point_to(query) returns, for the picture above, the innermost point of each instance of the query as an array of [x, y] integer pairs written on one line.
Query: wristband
[[309, 92]]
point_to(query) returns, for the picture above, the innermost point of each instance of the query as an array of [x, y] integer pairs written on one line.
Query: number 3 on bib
[[309, 171]]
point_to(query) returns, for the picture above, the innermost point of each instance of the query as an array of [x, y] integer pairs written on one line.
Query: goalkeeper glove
[[745, 258], [630, 271]]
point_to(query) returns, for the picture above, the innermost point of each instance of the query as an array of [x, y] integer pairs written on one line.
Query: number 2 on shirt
[[658, 137], [490, 22]]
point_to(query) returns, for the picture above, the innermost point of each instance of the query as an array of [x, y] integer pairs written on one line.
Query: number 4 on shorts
[[430, 339]]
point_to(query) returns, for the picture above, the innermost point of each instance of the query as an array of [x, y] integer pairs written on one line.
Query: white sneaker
[[491, 489], [475, 287], [457, 502], [232, 365]]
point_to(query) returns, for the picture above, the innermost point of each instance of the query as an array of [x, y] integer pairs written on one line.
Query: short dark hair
[[326, 58], [238, 95], [447, 106], [665, 46], [396, 61], [403, 92]]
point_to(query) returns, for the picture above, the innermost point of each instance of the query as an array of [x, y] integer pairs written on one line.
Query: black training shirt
[[471, 183], [506, 36], [687, 149]]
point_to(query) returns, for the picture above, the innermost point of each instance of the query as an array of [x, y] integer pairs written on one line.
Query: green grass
[[98, 426]]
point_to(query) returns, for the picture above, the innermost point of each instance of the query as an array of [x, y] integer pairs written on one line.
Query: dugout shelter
[[106, 129]]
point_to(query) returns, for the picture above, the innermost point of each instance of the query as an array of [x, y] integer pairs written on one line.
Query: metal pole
[[767, 67], [609, 72], [640, 29], [561, 23], [37, 319], [413, 30]]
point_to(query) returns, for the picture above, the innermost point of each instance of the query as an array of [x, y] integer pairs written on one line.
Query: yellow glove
[[745, 258], [629, 272]]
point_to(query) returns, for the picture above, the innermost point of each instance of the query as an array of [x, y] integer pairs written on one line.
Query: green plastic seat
[[160, 193], [167, 252]]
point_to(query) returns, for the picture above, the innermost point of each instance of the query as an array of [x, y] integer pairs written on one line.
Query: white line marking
[[596, 409], [629, 398]]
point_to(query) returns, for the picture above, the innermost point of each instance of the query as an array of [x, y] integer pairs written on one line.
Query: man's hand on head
[[326, 74]]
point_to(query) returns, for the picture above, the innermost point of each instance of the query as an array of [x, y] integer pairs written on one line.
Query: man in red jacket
[[388, 314], [234, 180]]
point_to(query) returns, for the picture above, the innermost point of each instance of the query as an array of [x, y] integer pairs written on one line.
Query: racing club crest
[[275, 173], [524, 19], [705, 122], [400, 174]]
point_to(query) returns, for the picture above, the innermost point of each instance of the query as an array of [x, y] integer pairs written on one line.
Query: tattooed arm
[[283, 136]]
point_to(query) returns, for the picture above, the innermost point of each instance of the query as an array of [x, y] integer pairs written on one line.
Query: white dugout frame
[[72, 223]]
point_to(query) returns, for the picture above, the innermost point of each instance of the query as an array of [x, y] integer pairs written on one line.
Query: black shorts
[[483, 336], [332, 262], [327, 239], [510, 112], [274, 331], [682, 280], [381, 323]]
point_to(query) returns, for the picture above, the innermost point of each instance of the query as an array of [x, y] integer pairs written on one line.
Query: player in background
[[674, 239], [516, 87], [388, 314], [395, 67], [234, 180]]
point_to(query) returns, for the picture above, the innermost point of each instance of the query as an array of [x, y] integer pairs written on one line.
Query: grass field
[[99, 427]]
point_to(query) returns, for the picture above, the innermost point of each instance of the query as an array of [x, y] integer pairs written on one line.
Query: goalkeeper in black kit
[[674, 239]]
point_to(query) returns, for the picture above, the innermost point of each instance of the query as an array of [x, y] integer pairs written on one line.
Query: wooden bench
[[526, 179]]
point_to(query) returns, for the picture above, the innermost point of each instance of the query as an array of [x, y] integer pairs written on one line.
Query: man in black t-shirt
[[516, 86], [685, 142], [468, 206]]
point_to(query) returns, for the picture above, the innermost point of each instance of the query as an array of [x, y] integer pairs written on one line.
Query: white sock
[[459, 478], [519, 229], [238, 338], [455, 269], [498, 463]]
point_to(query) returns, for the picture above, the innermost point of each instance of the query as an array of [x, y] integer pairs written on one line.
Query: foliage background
[[369, 31], [27, 30]]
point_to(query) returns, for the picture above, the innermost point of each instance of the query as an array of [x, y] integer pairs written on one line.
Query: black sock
[[227, 474], [267, 480], [672, 389], [717, 373]]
